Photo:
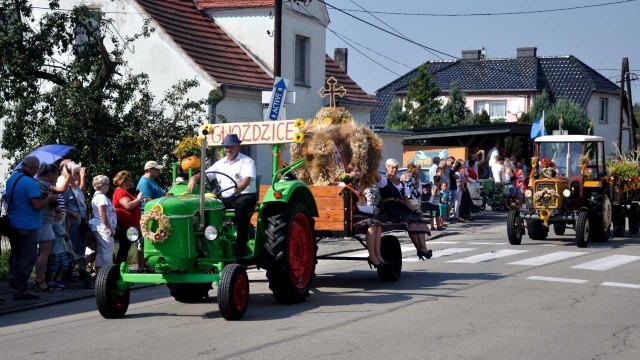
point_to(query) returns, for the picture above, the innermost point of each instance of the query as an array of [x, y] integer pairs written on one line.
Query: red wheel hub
[[240, 292], [300, 251]]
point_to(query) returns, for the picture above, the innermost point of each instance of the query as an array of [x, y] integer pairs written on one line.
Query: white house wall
[[253, 37], [609, 130], [391, 149]]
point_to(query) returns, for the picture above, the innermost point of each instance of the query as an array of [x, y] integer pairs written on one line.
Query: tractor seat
[[232, 213]]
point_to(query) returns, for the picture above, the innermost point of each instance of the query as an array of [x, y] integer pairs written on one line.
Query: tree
[[541, 103], [397, 119], [59, 83], [455, 111], [422, 103]]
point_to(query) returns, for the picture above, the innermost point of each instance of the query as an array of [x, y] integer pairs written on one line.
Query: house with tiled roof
[[506, 87], [228, 45]]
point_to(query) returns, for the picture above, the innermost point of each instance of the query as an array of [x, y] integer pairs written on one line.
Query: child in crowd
[[444, 200], [58, 262]]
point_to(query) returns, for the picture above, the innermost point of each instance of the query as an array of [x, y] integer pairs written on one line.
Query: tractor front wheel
[[559, 228], [583, 229], [112, 301], [233, 292], [514, 227], [290, 253]]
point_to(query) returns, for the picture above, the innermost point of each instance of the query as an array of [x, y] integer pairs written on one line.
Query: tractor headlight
[[528, 193], [133, 234], [566, 192], [210, 233]]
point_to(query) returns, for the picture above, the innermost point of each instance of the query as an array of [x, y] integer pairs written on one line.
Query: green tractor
[[191, 243]]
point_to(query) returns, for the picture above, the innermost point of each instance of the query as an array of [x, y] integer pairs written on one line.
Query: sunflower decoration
[[298, 137], [163, 225], [345, 178], [201, 130], [544, 216], [188, 146], [299, 123]]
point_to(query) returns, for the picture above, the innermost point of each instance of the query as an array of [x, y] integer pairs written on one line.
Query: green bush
[[4, 266]]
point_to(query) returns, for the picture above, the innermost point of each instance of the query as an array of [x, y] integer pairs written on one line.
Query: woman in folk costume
[[392, 193]]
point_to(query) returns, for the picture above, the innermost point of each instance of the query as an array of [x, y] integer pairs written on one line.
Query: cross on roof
[[332, 91]]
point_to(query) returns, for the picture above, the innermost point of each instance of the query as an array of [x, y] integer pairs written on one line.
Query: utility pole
[[630, 114], [621, 126], [277, 39], [626, 107]]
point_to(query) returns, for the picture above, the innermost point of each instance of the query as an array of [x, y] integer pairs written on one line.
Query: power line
[[387, 31], [310, 15], [497, 13], [392, 28]]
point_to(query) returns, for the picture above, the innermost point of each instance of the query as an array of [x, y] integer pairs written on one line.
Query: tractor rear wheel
[[514, 227], [619, 220], [537, 230], [601, 221], [233, 292], [290, 253], [189, 293], [634, 216], [112, 302], [559, 228], [583, 229], [392, 254]]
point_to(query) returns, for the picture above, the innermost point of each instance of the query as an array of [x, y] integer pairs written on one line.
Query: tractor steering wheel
[[215, 185]]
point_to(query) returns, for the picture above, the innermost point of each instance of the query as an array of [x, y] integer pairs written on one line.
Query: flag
[[537, 128]]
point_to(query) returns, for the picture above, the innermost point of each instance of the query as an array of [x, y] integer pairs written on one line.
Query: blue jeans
[[24, 252]]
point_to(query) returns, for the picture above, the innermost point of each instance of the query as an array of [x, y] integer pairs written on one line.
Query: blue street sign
[[278, 96]]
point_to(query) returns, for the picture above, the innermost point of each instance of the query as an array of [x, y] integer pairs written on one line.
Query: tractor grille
[[548, 186]]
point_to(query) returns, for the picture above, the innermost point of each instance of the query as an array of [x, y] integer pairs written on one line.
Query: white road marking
[[450, 251], [441, 242], [486, 243], [548, 258], [488, 256], [607, 263], [623, 285], [555, 279]]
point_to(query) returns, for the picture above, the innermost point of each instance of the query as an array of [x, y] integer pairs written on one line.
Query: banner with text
[[268, 132]]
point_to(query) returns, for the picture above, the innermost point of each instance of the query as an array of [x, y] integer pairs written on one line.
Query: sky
[[599, 36]]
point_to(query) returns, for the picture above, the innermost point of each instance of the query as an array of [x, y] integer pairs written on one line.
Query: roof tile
[[234, 4], [207, 44]]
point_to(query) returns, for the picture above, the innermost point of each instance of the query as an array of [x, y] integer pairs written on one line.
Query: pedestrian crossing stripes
[[607, 263], [557, 279], [440, 253], [488, 256], [548, 258], [622, 285]]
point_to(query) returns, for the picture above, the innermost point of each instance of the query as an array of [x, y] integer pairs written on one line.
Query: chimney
[[526, 52], [471, 54], [340, 57]]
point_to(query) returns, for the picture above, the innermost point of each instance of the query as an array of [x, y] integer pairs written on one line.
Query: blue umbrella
[[48, 154]]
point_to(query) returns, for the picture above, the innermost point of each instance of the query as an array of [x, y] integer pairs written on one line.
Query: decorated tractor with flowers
[[190, 238], [570, 186]]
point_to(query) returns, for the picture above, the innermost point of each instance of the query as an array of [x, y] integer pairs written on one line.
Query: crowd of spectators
[[50, 225]]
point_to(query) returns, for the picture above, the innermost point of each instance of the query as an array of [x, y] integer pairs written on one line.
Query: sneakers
[[57, 285], [25, 296]]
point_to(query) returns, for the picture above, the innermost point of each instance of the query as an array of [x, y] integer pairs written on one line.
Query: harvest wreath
[[164, 226]]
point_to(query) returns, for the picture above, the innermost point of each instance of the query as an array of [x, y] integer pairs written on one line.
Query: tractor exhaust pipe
[[203, 158]]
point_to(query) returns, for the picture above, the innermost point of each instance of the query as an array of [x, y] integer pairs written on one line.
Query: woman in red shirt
[[127, 211]]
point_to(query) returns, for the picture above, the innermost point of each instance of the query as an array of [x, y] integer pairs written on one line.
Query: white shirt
[[497, 171], [238, 169], [492, 160]]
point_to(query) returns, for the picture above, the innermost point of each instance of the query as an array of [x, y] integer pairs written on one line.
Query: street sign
[[266, 132], [278, 97]]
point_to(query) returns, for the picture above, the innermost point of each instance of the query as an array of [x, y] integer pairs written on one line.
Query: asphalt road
[[478, 298]]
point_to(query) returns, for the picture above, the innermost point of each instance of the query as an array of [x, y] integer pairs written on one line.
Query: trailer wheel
[[392, 254], [233, 292], [634, 215], [514, 227], [189, 293], [619, 220], [112, 301], [290, 253], [559, 228], [583, 229], [537, 230]]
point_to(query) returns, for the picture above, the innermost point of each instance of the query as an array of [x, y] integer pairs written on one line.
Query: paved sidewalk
[[76, 291]]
